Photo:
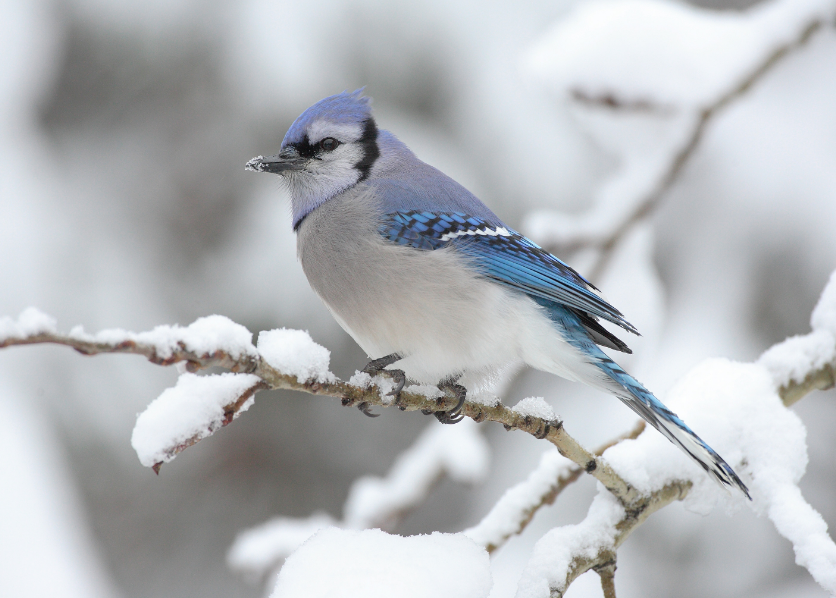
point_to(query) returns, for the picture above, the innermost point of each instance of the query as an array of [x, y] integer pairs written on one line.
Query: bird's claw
[[455, 415], [365, 410], [377, 367], [399, 378]]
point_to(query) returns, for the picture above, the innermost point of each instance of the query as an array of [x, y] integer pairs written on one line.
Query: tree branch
[[176, 345], [607, 574], [518, 505], [274, 379], [817, 379], [823, 378], [607, 240]]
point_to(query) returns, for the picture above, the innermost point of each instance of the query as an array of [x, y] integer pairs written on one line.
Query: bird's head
[[329, 148]]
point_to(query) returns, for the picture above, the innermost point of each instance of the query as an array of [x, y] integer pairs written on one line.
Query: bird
[[421, 273]]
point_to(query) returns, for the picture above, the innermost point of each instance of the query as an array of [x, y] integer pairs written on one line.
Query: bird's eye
[[329, 144]]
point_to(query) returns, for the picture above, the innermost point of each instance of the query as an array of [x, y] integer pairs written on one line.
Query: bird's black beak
[[287, 159]]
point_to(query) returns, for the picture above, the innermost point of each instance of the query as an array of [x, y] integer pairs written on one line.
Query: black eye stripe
[[304, 147], [367, 142], [309, 150]]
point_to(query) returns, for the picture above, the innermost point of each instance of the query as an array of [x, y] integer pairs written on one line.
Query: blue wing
[[509, 258]]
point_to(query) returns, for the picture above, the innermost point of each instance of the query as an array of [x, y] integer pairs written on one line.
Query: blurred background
[[124, 129]]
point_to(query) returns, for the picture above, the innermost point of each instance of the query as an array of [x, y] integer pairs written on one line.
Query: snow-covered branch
[[587, 58], [284, 359], [636, 480], [639, 474], [769, 435], [458, 452], [519, 504]]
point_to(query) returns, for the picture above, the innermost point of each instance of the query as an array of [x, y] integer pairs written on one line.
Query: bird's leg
[[453, 416], [375, 367]]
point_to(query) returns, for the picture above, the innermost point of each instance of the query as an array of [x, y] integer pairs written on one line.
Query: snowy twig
[[822, 378], [631, 519], [193, 360], [606, 236], [786, 371], [176, 345], [645, 206], [180, 347], [290, 360], [517, 507], [633, 516], [459, 453]]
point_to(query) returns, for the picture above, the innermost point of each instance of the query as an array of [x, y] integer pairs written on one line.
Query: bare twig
[[607, 574]]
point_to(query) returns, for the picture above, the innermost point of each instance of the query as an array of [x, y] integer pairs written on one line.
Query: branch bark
[[823, 378], [607, 575], [350, 395]]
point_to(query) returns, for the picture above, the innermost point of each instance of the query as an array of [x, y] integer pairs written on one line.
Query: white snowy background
[[124, 128]]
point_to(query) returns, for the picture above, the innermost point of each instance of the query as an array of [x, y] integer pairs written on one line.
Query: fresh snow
[[790, 360], [519, 501], [459, 451], [360, 379], [193, 409], [553, 553], [261, 549], [30, 322], [535, 407], [736, 409], [294, 352], [338, 563], [203, 336], [663, 54]]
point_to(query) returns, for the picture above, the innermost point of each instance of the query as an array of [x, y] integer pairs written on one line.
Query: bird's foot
[[455, 415], [366, 410], [376, 367]]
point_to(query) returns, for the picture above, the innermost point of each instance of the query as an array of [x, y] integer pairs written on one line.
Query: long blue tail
[[654, 412], [642, 401]]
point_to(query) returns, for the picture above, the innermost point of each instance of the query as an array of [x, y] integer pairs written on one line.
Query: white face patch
[[327, 174], [485, 232], [322, 128]]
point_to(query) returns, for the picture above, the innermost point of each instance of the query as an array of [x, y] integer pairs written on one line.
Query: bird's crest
[[343, 108]]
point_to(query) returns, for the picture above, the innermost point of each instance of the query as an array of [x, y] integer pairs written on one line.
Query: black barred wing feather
[[503, 255]]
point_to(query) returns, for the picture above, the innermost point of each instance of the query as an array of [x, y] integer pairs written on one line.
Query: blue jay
[[419, 271]]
